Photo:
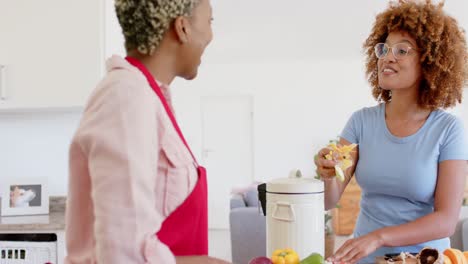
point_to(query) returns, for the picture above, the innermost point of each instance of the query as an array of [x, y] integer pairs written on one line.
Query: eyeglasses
[[399, 50]]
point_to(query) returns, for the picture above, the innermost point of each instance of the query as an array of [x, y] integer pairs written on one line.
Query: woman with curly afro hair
[[411, 155], [136, 192]]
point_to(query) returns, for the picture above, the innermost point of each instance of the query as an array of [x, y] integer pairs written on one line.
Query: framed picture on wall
[[24, 197]]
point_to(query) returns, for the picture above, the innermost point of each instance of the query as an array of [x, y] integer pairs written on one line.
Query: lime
[[314, 258]]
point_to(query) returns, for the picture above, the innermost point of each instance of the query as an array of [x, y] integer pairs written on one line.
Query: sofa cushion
[[251, 198], [237, 201]]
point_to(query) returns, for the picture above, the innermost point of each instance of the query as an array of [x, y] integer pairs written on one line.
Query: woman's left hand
[[357, 248]]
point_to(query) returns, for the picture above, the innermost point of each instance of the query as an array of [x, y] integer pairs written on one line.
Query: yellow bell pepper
[[285, 256]]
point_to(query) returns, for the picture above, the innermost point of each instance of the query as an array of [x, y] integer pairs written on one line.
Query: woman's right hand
[[325, 168], [326, 171]]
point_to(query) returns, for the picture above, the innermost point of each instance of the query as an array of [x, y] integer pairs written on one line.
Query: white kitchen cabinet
[[52, 52]]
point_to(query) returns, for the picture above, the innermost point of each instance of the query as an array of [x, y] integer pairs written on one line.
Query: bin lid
[[295, 184]]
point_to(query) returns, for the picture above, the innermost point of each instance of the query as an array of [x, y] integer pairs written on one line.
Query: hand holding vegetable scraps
[[334, 160]]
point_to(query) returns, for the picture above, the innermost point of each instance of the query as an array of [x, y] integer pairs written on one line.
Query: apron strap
[[154, 85]]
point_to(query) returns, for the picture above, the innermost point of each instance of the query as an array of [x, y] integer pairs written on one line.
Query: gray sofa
[[247, 227]]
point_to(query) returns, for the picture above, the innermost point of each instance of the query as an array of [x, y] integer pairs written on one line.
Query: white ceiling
[[284, 30]]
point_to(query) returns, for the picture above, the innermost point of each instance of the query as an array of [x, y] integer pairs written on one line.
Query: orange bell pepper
[[285, 256]]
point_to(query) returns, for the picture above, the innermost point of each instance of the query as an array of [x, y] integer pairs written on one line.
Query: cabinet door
[[52, 50]]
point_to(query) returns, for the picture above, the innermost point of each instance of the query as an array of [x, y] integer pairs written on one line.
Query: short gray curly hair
[[144, 22]]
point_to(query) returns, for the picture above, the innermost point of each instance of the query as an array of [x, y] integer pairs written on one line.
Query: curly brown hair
[[442, 46]]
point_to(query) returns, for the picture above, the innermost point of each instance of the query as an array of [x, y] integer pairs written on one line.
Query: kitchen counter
[[55, 220]]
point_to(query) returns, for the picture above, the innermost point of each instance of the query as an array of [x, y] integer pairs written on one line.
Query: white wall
[[294, 116], [35, 145], [301, 61], [298, 106], [305, 83]]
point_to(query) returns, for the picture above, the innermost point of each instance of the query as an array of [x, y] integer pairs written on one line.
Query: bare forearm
[[430, 227], [326, 170], [332, 193]]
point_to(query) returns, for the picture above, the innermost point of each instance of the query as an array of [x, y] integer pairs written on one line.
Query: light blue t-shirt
[[398, 175]]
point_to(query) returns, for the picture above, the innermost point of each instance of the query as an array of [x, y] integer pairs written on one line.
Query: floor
[[220, 243]]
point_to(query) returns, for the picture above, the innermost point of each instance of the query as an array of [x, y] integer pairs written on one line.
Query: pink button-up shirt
[[128, 171]]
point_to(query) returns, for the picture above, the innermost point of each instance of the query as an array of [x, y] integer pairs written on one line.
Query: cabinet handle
[[3, 89]]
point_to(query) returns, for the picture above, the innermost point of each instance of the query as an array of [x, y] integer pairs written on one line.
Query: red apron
[[185, 231]]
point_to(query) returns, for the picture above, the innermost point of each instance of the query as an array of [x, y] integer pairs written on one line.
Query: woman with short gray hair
[[136, 192]]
